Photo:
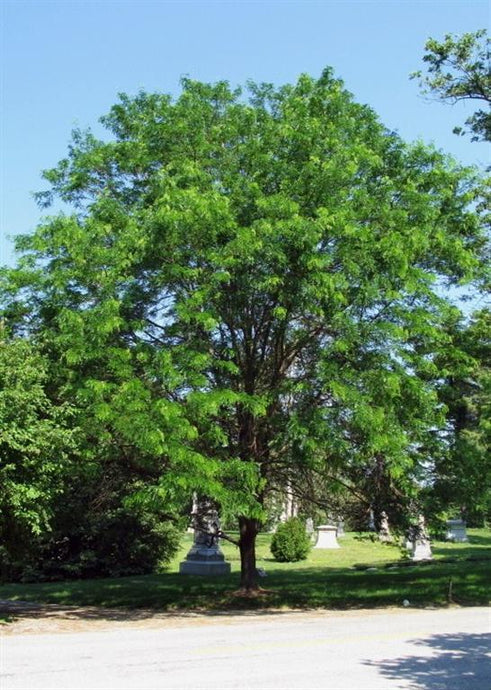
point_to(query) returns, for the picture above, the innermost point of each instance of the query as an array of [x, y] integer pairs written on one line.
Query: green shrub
[[290, 542], [115, 543]]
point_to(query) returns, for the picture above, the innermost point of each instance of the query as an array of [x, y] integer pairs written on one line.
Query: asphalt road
[[430, 649]]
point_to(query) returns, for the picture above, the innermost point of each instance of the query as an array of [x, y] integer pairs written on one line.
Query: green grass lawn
[[361, 574]]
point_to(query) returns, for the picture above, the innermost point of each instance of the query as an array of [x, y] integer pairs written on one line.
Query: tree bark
[[247, 544]]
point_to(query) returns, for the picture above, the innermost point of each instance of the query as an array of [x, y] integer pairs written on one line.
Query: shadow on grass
[[302, 588], [479, 540], [450, 661], [469, 551], [12, 611]]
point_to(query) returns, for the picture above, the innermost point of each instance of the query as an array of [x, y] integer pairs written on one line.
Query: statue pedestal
[[326, 537], [204, 560]]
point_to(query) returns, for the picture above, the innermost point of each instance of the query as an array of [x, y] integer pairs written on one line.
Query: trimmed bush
[[290, 542]]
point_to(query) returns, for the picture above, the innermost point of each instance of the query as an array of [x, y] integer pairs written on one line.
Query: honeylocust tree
[[246, 286]]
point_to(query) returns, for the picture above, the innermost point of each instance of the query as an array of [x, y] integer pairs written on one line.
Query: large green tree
[[246, 287]]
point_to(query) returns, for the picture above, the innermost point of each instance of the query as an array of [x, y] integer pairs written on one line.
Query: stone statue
[[205, 556], [384, 531], [421, 541], [206, 524]]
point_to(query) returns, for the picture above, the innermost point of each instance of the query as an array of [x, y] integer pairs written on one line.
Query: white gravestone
[[326, 537], [456, 531], [421, 542]]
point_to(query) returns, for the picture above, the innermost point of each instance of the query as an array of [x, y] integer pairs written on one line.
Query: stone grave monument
[[326, 537], [421, 546], [456, 531], [205, 556], [384, 531]]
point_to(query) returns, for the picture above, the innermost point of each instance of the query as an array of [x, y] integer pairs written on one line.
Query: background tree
[[245, 289], [37, 439], [462, 474], [459, 69], [66, 475]]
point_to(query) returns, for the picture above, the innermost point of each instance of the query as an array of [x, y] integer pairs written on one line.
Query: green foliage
[[63, 483], [113, 544], [458, 69], [37, 439], [462, 474], [290, 542], [92, 535], [245, 291]]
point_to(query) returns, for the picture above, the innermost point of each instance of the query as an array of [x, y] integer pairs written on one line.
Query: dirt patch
[[25, 618]]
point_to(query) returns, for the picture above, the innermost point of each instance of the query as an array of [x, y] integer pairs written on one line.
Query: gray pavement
[[384, 650]]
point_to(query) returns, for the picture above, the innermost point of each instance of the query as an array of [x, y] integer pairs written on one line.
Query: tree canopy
[[246, 290], [459, 69]]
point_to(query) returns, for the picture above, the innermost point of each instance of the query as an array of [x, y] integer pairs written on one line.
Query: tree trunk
[[247, 543]]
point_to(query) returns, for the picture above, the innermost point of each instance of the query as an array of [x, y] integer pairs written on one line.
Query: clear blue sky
[[63, 63]]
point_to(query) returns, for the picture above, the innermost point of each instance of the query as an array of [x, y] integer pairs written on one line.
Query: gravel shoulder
[[26, 618]]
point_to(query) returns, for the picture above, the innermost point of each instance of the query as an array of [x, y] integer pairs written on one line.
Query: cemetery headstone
[[326, 537], [421, 542], [456, 531]]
